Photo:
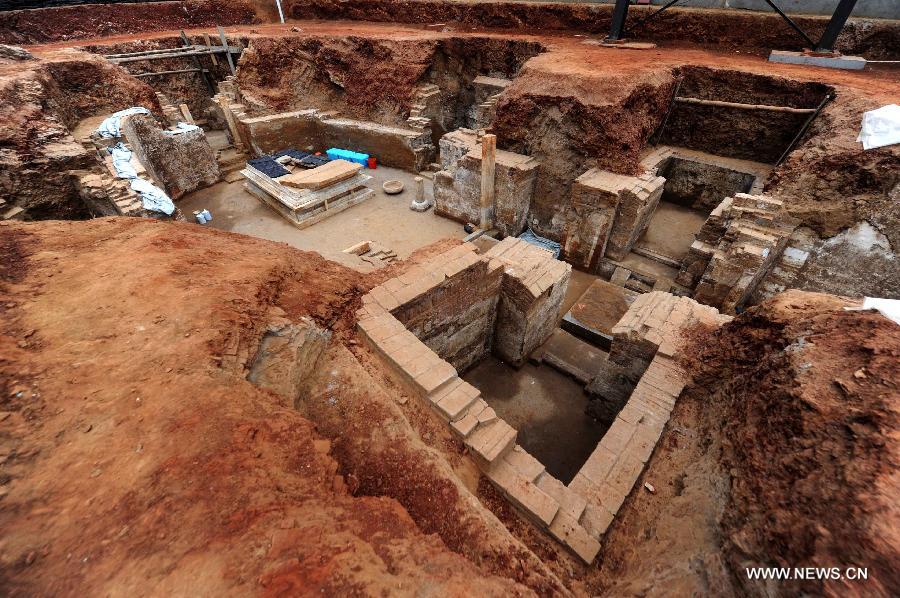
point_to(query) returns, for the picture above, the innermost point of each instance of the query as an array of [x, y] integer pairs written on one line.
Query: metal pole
[[835, 25], [793, 25], [617, 27], [280, 13], [803, 129]]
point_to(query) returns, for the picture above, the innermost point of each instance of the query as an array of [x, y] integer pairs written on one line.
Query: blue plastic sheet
[[529, 237]]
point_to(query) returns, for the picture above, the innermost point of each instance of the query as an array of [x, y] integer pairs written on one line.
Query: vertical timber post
[[488, 163]]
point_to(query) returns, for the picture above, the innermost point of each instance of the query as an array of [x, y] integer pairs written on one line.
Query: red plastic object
[[372, 162]]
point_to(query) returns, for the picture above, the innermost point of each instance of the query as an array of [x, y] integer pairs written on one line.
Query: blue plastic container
[[350, 156]]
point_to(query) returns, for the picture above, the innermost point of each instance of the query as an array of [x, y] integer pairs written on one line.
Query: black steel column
[[617, 28], [837, 22]]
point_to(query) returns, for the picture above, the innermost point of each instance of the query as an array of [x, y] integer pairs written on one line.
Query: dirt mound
[[808, 398], [137, 457]]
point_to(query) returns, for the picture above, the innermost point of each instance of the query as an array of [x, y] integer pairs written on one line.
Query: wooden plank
[[161, 73], [209, 85], [225, 45], [488, 164], [745, 106]]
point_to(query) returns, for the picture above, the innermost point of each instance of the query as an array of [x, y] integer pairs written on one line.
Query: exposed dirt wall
[[136, 455], [807, 393], [873, 38], [370, 79], [40, 100], [183, 88], [98, 20], [572, 122]]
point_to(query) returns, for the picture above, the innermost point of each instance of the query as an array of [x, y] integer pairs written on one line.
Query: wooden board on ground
[[321, 176]]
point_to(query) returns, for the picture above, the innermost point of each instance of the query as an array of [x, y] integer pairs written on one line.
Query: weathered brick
[[599, 464], [567, 530], [491, 441], [596, 519], [617, 436], [523, 493], [524, 463], [569, 500], [454, 404]]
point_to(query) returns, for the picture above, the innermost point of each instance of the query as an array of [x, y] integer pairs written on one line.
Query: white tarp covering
[[112, 126], [889, 308], [121, 159], [152, 197], [880, 127], [182, 128]]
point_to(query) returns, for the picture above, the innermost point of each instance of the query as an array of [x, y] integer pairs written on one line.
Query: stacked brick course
[[457, 188], [648, 333], [740, 242], [533, 288], [608, 214]]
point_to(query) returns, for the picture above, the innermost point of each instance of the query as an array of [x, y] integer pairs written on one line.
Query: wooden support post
[[229, 120], [186, 113], [488, 163], [199, 65], [227, 49], [420, 189], [212, 55]]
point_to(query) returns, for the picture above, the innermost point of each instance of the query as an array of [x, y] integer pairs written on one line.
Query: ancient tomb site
[[450, 298]]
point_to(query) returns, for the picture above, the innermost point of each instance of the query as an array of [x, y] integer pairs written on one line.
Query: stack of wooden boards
[[308, 196]]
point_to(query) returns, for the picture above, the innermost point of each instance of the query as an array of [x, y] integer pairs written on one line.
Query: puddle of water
[[547, 409]]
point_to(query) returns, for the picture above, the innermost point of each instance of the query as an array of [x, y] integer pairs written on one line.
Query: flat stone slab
[[594, 314], [571, 355], [852, 63]]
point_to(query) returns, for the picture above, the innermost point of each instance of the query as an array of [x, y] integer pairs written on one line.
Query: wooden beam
[[160, 73], [199, 65], [225, 44], [767, 107], [186, 113], [488, 166]]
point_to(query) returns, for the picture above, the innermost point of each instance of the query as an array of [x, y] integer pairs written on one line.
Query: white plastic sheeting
[[880, 127], [152, 197], [182, 128], [112, 126], [121, 159], [889, 308]]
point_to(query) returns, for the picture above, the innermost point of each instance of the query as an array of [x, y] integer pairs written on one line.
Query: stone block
[[570, 501], [524, 493], [596, 520], [601, 462], [489, 443], [567, 530], [524, 463]]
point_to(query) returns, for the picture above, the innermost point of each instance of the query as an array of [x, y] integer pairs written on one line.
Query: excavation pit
[[545, 406]]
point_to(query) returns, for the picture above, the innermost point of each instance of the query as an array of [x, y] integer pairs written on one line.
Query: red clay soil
[[807, 394], [782, 452], [876, 38], [136, 457], [95, 20], [40, 102]]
